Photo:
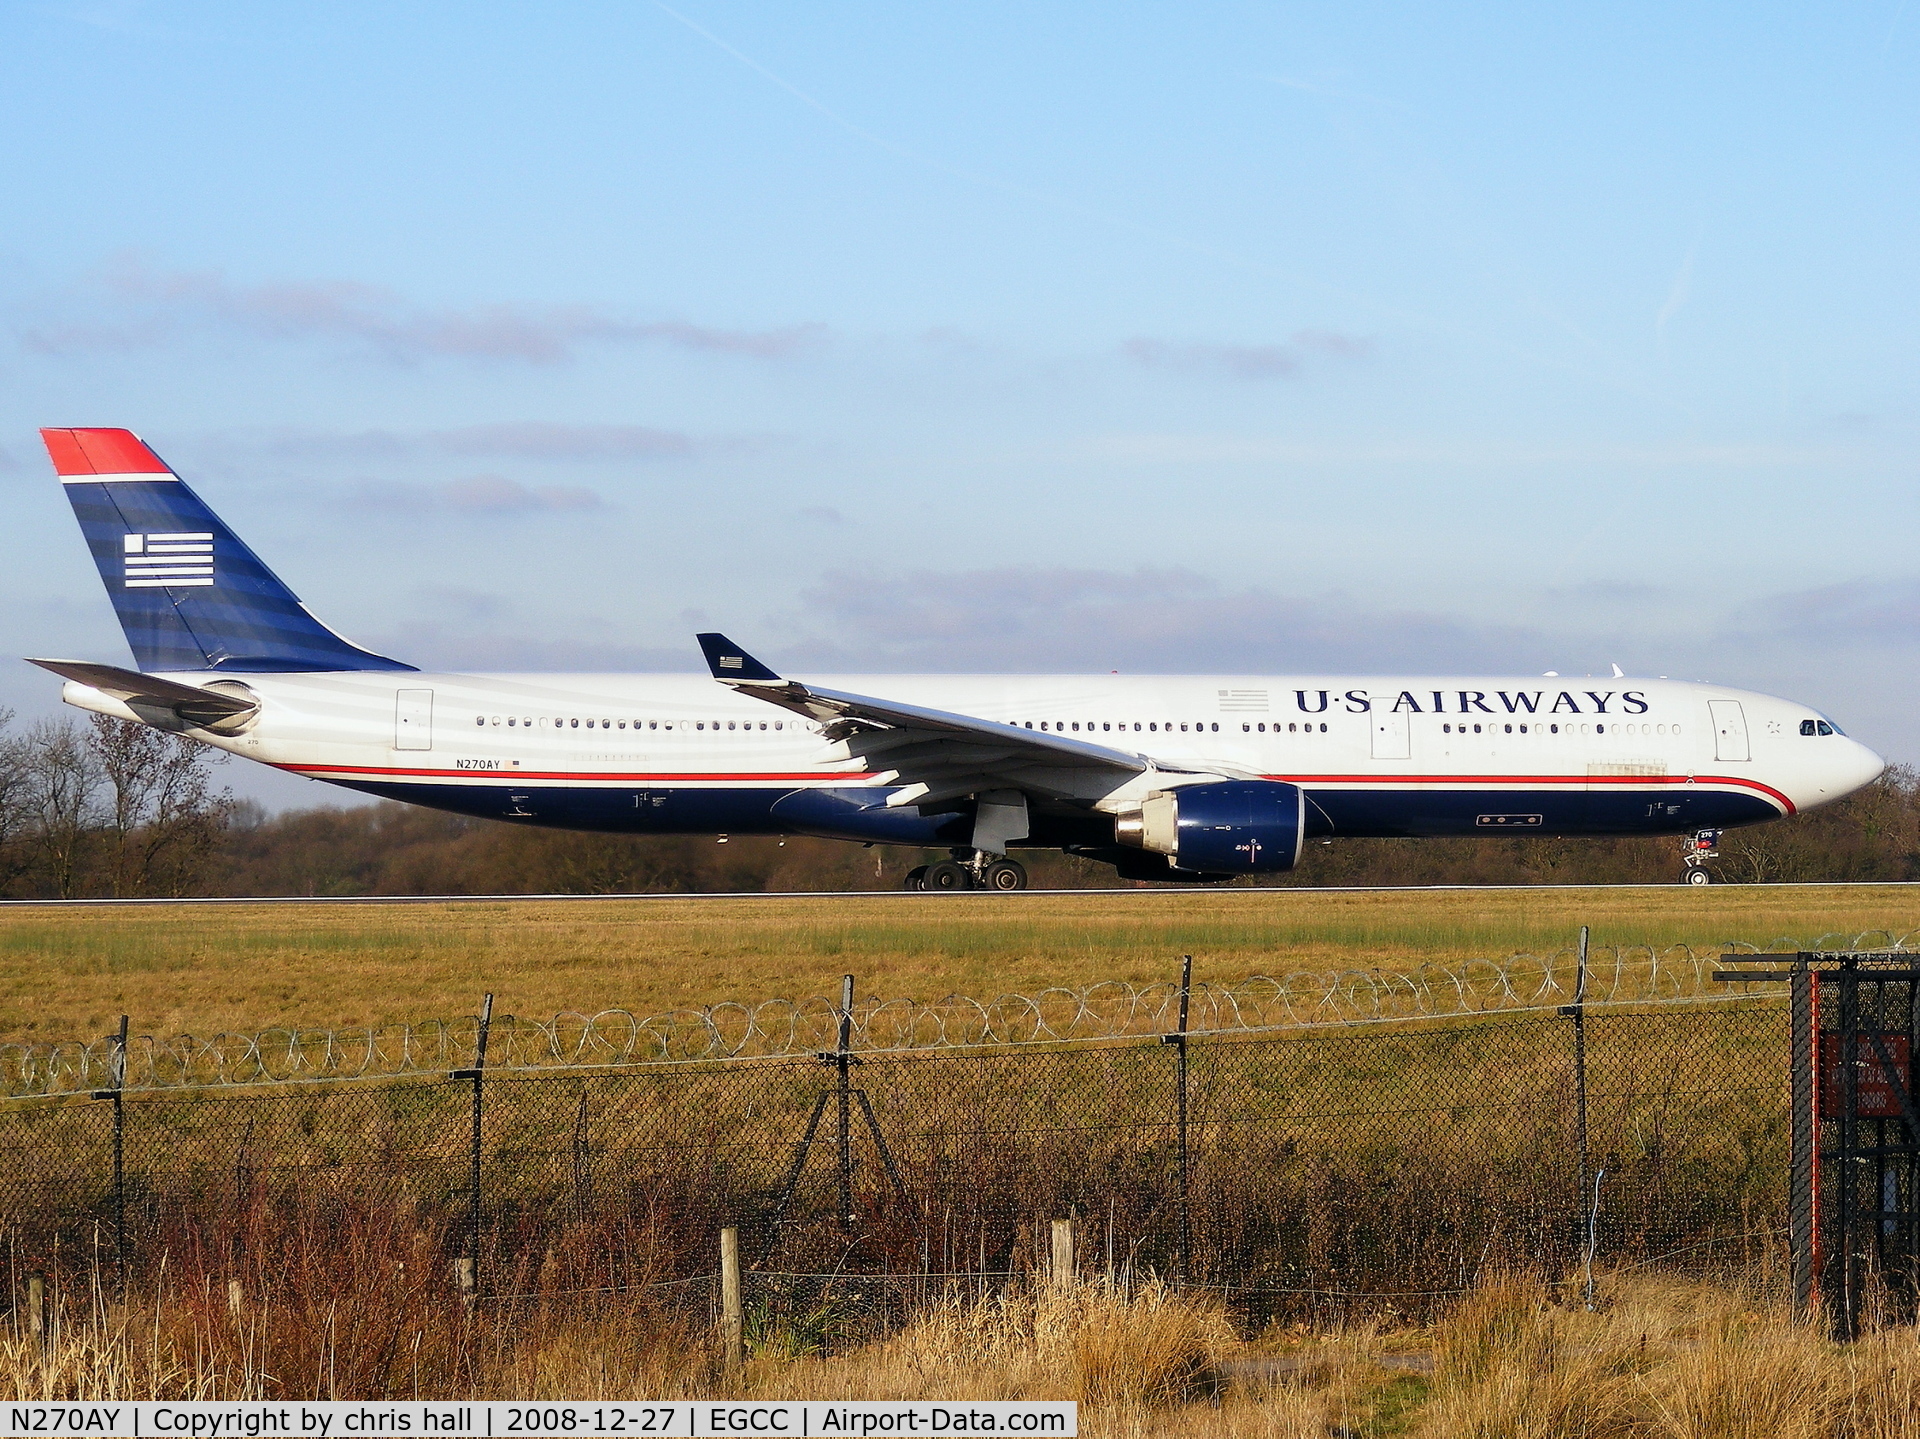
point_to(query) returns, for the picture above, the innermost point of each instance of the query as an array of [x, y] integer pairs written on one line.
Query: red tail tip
[[101, 452]]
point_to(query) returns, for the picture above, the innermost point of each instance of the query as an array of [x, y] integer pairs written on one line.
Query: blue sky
[[938, 337]]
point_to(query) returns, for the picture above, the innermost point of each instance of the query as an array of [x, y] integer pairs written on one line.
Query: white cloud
[[131, 306]]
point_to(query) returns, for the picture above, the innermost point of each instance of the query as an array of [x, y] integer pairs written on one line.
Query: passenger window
[[1523, 729], [1153, 727], [482, 719], [1599, 729], [575, 723], [1509, 729], [1556, 729], [1183, 729], [778, 723], [1323, 729]]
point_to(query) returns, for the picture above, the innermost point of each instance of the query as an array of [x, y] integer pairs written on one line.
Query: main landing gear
[[1695, 851], [969, 869]]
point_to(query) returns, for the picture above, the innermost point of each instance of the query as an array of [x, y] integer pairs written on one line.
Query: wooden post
[[1063, 1251], [37, 1327], [463, 1278], [236, 1299], [732, 1317]]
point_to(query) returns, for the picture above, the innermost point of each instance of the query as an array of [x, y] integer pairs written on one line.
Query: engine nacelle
[[1238, 827]]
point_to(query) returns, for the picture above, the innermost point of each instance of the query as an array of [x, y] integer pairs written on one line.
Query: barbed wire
[[775, 1028]]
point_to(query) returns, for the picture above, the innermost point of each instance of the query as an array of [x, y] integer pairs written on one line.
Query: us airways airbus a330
[[1184, 778]]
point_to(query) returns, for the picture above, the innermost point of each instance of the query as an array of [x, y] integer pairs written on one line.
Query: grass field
[[72, 971]]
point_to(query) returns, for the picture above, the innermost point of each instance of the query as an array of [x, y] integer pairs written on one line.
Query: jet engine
[[1232, 827]]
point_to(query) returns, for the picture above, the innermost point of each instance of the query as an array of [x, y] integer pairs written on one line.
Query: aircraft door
[[413, 719], [1729, 730], [1392, 734]]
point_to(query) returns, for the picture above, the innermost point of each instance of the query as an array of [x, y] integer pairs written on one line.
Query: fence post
[[38, 1330], [1584, 1220], [1178, 1040], [1803, 1199], [117, 1094], [732, 1316], [466, 1268], [236, 1300], [843, 1059], [1063, 1268]]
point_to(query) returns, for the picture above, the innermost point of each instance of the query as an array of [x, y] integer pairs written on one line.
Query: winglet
[[731, 664]]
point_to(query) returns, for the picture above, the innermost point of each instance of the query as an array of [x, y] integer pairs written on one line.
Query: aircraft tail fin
[[189, 593]]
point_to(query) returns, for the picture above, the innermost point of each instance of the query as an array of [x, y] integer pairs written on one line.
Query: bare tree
[[16, 855], [62, 791], [160, 818]]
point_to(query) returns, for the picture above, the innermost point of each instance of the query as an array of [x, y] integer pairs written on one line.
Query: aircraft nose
[[1853, 766]]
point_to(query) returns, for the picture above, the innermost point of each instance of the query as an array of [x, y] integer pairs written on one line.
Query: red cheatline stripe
[[1455, 780], [519, 774], [1374, 781]]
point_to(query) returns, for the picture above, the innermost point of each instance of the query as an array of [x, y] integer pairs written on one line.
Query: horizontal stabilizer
[[196, 706]]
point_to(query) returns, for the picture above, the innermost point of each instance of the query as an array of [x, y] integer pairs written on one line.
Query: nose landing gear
[[1695, 851], [969, 869]]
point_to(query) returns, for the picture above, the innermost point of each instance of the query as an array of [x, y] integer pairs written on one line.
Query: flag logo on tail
[[165, 560]]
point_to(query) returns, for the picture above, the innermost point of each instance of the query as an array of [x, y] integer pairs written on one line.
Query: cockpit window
[[1818, 727]]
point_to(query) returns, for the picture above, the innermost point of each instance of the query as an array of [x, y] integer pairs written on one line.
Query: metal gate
[[1854, 1206]]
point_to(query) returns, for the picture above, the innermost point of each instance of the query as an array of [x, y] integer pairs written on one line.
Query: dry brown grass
[[1658, 1359], [67, 972]]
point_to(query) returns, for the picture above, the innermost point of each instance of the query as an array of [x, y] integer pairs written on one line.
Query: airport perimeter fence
[[1301, 1168]]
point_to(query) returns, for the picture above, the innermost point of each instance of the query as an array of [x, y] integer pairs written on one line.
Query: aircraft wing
[[935, 755]]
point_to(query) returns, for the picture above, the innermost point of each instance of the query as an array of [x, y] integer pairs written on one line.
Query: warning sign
[[1875, 1095]]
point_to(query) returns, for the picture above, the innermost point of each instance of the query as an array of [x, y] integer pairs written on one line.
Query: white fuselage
[[1640, 755]]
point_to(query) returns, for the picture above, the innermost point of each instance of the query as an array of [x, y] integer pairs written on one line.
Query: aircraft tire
[[947, 875], [916, 878], [1005, 874], [1696, 875]]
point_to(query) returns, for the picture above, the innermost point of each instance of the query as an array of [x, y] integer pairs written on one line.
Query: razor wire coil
[[797, 1028]]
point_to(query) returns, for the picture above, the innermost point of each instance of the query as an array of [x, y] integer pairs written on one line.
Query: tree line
[[102, 808]]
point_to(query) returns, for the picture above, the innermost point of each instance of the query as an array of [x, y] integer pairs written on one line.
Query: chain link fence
[[1298, 1170], [1615, 974]]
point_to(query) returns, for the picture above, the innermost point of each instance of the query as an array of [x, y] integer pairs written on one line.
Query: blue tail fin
[[189, 594]]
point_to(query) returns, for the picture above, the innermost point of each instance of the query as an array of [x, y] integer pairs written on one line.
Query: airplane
[[1181, 778]]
